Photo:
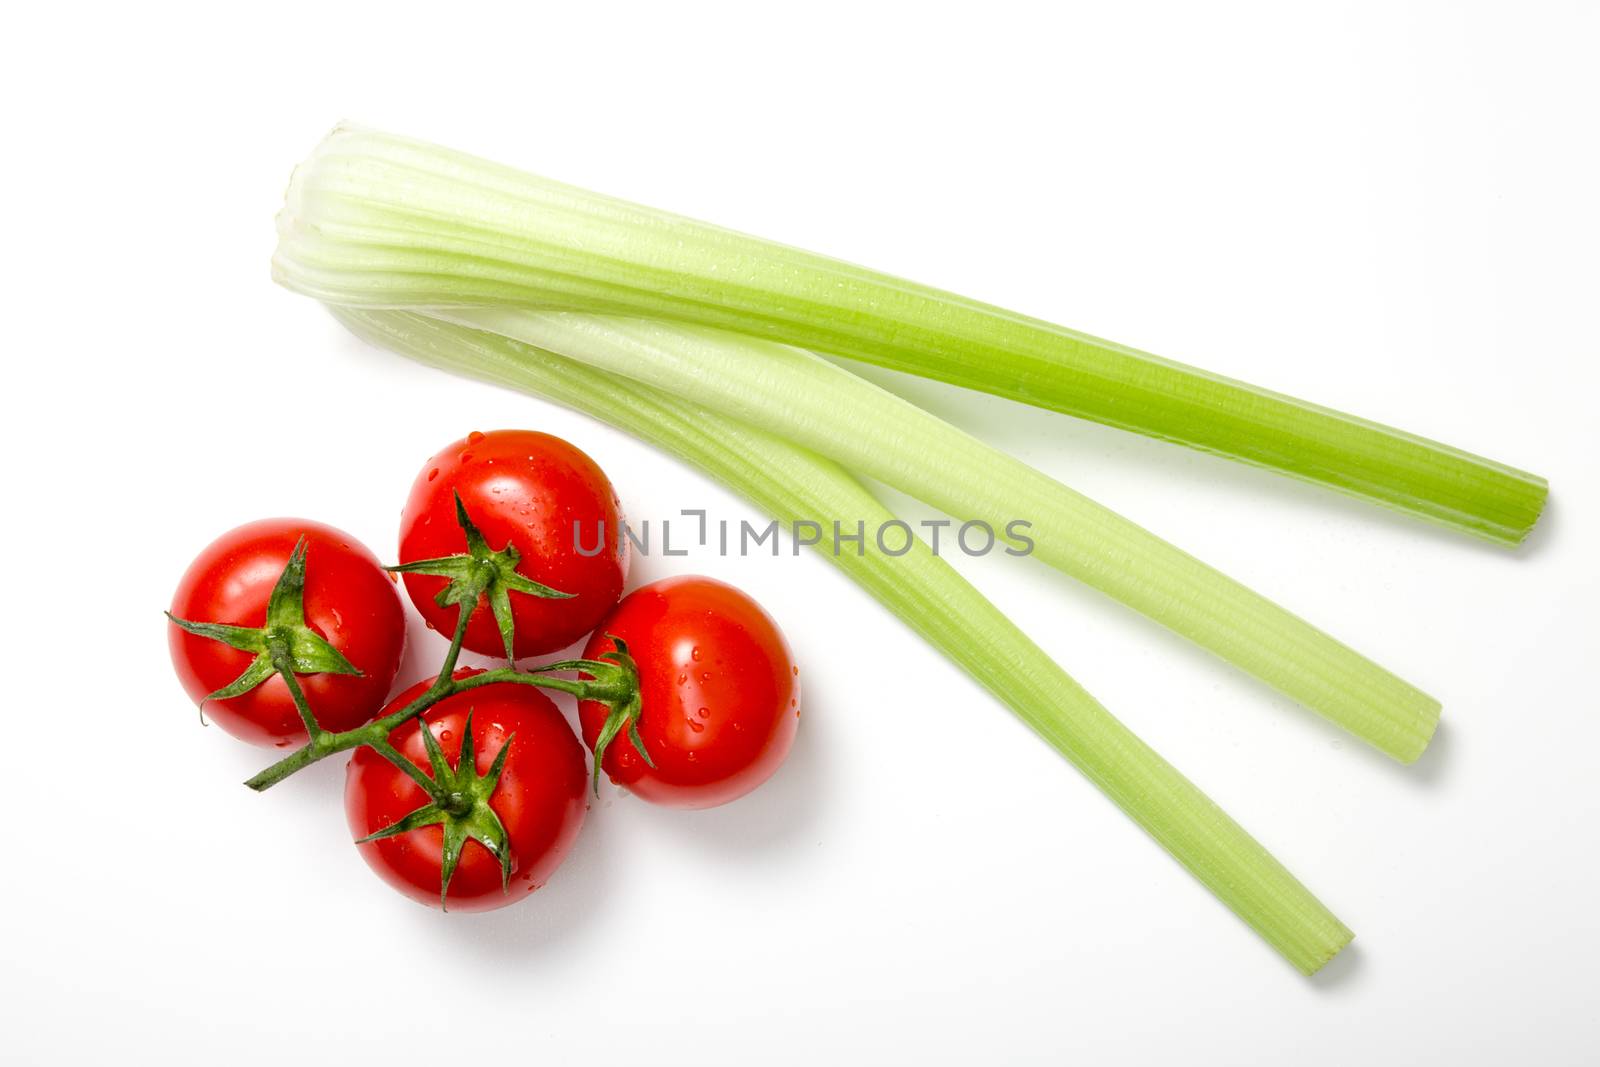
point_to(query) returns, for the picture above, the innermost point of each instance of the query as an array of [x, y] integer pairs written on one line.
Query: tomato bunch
[[467, 789]]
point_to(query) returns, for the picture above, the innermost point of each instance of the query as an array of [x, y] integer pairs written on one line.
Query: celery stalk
[[923, 590], [416, 224], [805, 399]]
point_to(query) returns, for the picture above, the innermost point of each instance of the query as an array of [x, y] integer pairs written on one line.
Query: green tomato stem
[[463, 617], [278, 650]]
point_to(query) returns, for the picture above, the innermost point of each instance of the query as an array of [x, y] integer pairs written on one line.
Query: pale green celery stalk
[[790, 483], [442, 227], [803, 398], [800, 396]]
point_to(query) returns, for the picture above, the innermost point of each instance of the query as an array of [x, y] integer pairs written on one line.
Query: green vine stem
[[613, 683]]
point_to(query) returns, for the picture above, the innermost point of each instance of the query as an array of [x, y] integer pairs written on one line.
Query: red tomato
[[528, 489], [350, 601], [720, 694], [540, 796]]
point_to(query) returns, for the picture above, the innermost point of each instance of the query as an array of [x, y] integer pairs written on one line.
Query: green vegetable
[[922, 589], [806, 400], [406, 223]]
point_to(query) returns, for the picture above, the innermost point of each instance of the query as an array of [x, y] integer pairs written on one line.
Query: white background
[[1389, 209]]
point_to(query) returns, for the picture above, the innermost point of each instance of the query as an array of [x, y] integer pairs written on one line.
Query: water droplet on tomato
[[696, 725], [704, 713], [465, 457], [474, 437], [432, 474], [797, 672], [694, 653], [444, 735], [683, 679], [705, 676], [280, 744]]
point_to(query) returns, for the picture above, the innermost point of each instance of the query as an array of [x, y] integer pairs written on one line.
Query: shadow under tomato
[[782, 813], [527, 929]]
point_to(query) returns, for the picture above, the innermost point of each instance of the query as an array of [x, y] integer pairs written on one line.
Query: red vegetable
[[347, 601], [719, 693], [538, 798], [526, 490]]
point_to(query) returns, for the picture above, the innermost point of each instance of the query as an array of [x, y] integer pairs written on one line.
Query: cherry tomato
[[720, 694], [527, 489], [540, 796], [350, 601]]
